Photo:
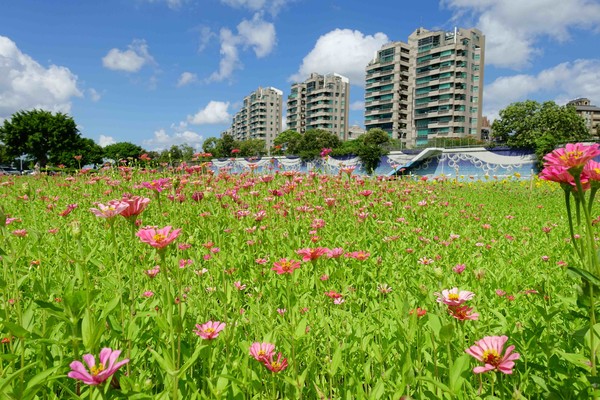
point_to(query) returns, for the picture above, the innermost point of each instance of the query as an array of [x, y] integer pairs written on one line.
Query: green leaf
[[461, 364], [165, 363], [585, 275], [336, 360], [109, 307], [301, 328], [191, 360], [16, 330]]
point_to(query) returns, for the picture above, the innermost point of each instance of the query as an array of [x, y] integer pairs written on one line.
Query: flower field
[[130, 283]]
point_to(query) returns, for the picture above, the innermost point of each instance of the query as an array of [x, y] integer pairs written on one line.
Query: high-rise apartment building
[[428, 88], [590, 114], [260, 116], [320, 102]]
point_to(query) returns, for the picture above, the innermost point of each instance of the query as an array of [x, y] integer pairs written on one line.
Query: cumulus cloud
[[343, 51], [104, 141], [162, 140], [186, 78], [25, 84], [130, 60], [513, 28], [272, 6], [216, 112], [561, 83], [256, 34], [206, 35]]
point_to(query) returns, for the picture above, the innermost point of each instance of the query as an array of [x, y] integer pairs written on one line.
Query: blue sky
[[164, 72]]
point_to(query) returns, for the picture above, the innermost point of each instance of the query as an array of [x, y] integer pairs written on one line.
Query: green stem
[[570, 218]]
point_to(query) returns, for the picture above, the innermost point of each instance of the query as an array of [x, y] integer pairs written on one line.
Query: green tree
[[315, 140], [289, 141], [252, 147], [210, 145], [539, 126], [122, 150], [41, 135], [376, 137], [224, 146]]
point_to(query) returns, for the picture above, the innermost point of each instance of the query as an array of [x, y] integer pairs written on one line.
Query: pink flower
[[114, 208], [489, 351], [136, 205], [158, 185], [20, 232], [285, 266], [281, 311], [459, 268], [262, 351], [97, 373], [148, 293], [275, 365], [209, 330], [158, 238], [333, 294], [312, 254], [238, 285], [419, 311], [325, 152], [572, 155], [452, 297], [463, 313], [335, 253], [358, 255], [152, 272]]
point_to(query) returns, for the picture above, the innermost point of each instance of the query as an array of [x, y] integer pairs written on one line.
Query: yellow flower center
[[159, 238], [95, 370], [453, 296], [286, 265], [491, 356], [209, 330]]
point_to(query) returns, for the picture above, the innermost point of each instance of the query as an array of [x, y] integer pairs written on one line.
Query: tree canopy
[[123, 150], [42, 136], [539, 126]]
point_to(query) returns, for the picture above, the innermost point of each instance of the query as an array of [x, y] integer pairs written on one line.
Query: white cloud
[[206, 35], [172, 4], [130, 60], [343, 51], [256, 34], [561, 83], [513, 28], [162, 140], [272, 6], [93, 94], [214, 113], [25, 84], [186, 78], [104, 141], [357, 106]]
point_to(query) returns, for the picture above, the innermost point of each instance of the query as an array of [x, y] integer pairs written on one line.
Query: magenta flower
[[209, 330], [97, 373], [136, 205], [572, 155], [463, 313], [275, 365], [262, 351], [335, 253], [111, 210], [285, 266], [158, 238], [489, 351], [454, 297]]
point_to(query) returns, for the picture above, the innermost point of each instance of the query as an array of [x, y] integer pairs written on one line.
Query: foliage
[[313, 141], [289, 141], [43, 136], [252, 148], [541, 127], [123, 151], [224, 146], [176, 154], [74, 283]]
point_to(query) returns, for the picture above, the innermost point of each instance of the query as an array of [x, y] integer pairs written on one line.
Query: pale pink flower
[[157, 185], [454, 297], [238, 285], [148, 293], [335, 253], [262, 351], [459, 268], [158, 238], [489, 351], [152, 272], [358, 255], [281, 311], [339, 300], [210, 330], [20, 232], [111, 210], [97, 373]]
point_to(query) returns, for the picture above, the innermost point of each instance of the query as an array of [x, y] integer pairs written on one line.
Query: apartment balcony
[[379, 74], [379, 83], [378, 102], [378, 121]]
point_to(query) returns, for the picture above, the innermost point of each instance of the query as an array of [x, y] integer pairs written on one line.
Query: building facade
[[320, 102], [590, 113], [260, 116], [428, 88]]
